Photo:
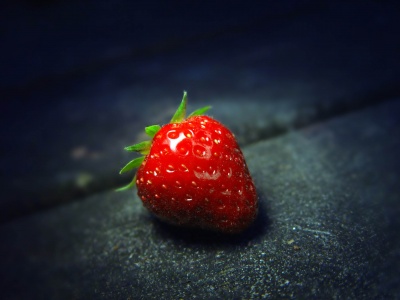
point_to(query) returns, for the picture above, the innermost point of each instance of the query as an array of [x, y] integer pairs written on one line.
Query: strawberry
[[193, 173]]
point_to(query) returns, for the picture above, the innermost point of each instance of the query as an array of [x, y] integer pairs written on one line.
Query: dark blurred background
[[80, 80]]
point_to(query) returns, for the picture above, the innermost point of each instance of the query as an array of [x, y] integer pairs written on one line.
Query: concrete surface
[[327, 228]]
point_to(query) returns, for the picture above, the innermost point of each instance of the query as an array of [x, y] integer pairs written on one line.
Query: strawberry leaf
[[152, 130], [143, 147], [180, 113], [200, 111], [132, 164], [128, 186]]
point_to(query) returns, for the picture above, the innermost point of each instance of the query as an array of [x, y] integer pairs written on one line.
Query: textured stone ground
[[310, 90], [327, 228]]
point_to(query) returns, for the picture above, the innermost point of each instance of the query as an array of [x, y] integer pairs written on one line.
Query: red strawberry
[[194, 174]]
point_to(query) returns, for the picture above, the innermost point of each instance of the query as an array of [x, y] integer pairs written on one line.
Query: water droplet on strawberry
[[229, 174], [170, 169], [227, 192], [174, 139], [183, 150], [178, 184], [215, 174], [205, 138], [172, 134], [183, 168], [201, 151]]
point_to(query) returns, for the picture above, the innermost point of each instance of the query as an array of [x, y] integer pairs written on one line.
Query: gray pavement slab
[[328, 228], [288, 66]]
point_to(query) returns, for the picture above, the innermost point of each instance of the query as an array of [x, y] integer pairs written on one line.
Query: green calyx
[[144, 147]]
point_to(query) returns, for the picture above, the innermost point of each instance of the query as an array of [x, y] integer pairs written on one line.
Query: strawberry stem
[[180, 113]]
